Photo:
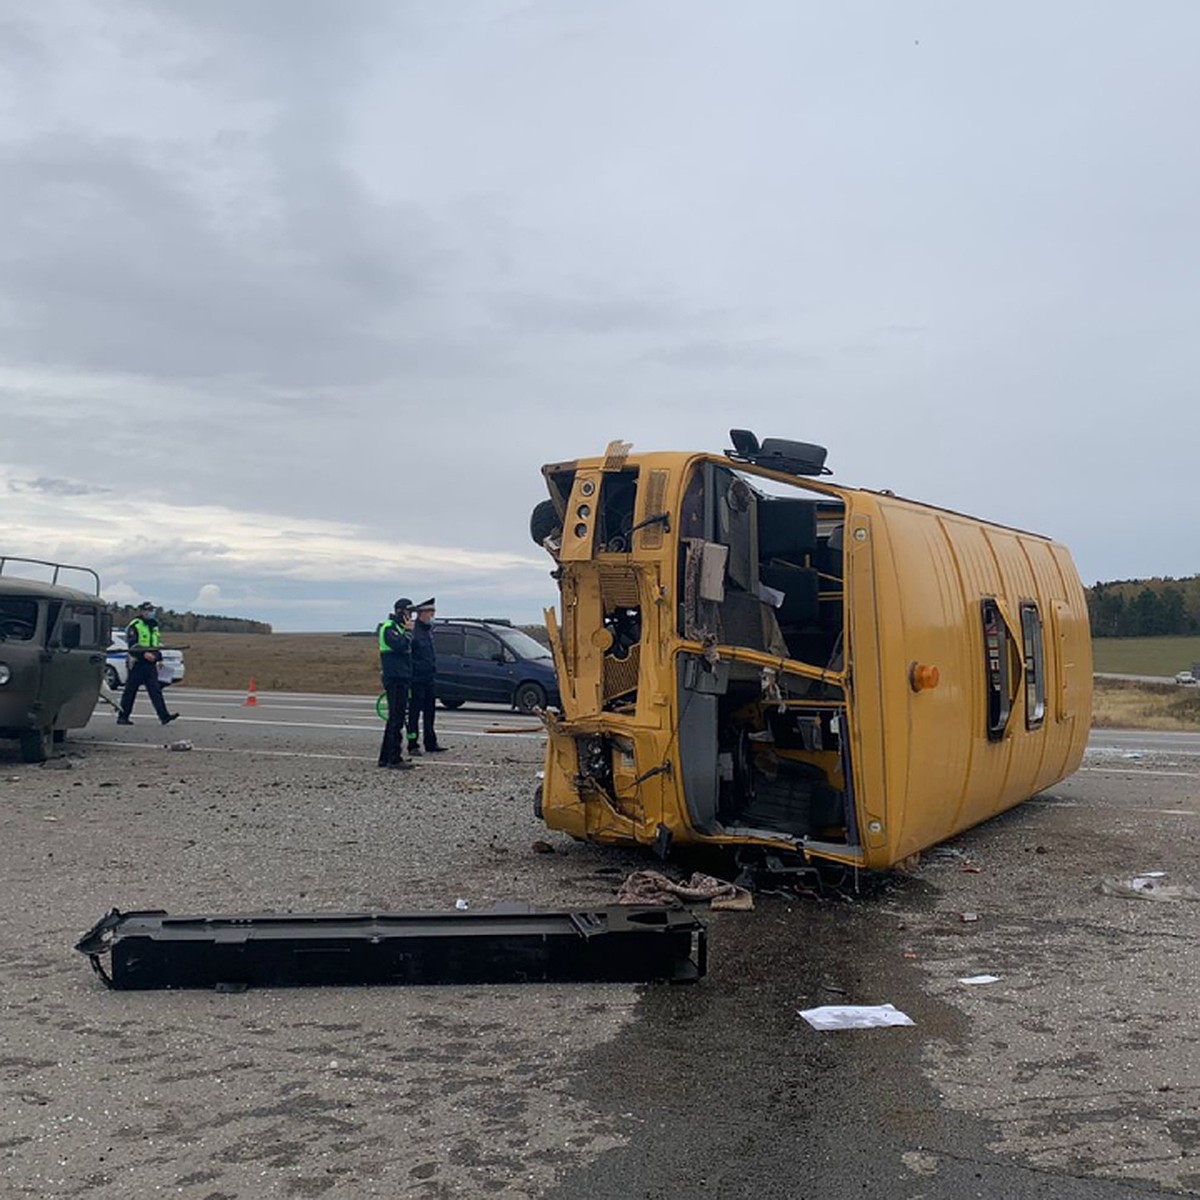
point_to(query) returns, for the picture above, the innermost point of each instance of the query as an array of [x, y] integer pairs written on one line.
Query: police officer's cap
[[401, 604], [430, 604], [145, 604]]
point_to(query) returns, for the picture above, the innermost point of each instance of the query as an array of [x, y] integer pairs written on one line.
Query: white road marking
[[1133, 810], [376, 728], [438, 763], [1138, 771]]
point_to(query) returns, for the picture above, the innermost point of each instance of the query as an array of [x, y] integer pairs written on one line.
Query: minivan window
[[447, 641], [524, 646], [480, 645], [18, 618]]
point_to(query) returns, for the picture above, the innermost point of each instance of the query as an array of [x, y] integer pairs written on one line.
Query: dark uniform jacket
[[396, 661], [424, 657]]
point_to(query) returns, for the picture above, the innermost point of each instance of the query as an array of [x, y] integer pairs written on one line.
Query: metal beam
[[506, 944]]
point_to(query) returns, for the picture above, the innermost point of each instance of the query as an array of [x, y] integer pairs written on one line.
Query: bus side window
[[1035, 665], [997, 664]]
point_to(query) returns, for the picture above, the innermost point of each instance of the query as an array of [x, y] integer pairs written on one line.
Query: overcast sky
[[297, 296]]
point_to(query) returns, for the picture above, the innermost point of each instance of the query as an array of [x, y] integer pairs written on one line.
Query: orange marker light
[[921, 677]]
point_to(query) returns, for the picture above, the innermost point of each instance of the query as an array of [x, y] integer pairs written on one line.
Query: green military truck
[[52, 644]]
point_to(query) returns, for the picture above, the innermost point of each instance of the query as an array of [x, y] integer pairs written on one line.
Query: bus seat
[[786, 529], [799, 588]]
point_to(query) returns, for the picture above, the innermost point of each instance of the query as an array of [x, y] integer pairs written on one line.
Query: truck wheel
[[111, 678], [528, 697], [35, 745]]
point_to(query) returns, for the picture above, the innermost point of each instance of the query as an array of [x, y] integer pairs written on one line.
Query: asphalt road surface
[[1075, 1074]]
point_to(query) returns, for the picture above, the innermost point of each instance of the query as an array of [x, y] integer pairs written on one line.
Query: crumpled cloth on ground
[[653, 887]]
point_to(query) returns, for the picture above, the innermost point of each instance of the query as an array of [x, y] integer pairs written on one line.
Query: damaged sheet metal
[[509, 944]]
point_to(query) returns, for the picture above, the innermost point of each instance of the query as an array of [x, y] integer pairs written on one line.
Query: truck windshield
[[18, 618]]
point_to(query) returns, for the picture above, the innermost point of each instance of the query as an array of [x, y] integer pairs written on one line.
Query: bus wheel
[[35, 745]]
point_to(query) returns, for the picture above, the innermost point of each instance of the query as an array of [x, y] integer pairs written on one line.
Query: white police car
[[116, 665]]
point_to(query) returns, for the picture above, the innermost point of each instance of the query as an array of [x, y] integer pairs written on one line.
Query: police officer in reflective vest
[[142, 640], [395, 664]]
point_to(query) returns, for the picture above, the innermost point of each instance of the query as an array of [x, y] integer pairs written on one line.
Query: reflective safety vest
[[148, 636], [384, 648]]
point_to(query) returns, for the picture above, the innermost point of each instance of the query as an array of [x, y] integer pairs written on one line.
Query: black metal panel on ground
[[618, 944]]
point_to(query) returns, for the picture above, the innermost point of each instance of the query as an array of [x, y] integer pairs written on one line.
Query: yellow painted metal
[[915, 577]]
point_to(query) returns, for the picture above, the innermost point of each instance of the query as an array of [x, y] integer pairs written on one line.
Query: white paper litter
[[974, 979], [854, 1016]]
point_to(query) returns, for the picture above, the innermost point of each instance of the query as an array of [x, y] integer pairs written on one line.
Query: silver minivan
[[52, 644]]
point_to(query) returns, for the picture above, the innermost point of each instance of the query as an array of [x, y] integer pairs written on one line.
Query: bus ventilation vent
[[619, 589], [621, 674], [656, 498]]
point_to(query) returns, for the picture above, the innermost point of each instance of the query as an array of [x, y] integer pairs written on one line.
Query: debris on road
[[1148, 887], [974, 980], [854, 1016], [653, 887], [182, 744], [968, 918]]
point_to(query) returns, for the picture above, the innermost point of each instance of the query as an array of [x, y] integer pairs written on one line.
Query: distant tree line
[[1145, 607], [170, 621]]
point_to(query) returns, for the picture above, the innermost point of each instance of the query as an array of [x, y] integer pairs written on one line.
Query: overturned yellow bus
[[753, 657]]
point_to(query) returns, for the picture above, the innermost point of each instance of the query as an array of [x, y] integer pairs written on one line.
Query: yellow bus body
[[752, 658]]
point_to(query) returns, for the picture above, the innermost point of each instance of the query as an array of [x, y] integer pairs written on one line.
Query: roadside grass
[[280, 662], [1117, 704], [1145, 656]]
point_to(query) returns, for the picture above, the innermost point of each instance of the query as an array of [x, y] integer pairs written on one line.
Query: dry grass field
[[280, 662], [1121, 705], [340, 665]]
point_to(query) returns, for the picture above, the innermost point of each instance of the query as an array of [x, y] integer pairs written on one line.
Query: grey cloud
[[57, 487], [109, 253], [716, 353], [595, 313]]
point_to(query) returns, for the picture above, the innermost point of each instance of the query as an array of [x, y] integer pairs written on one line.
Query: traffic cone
[[251, 700]]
